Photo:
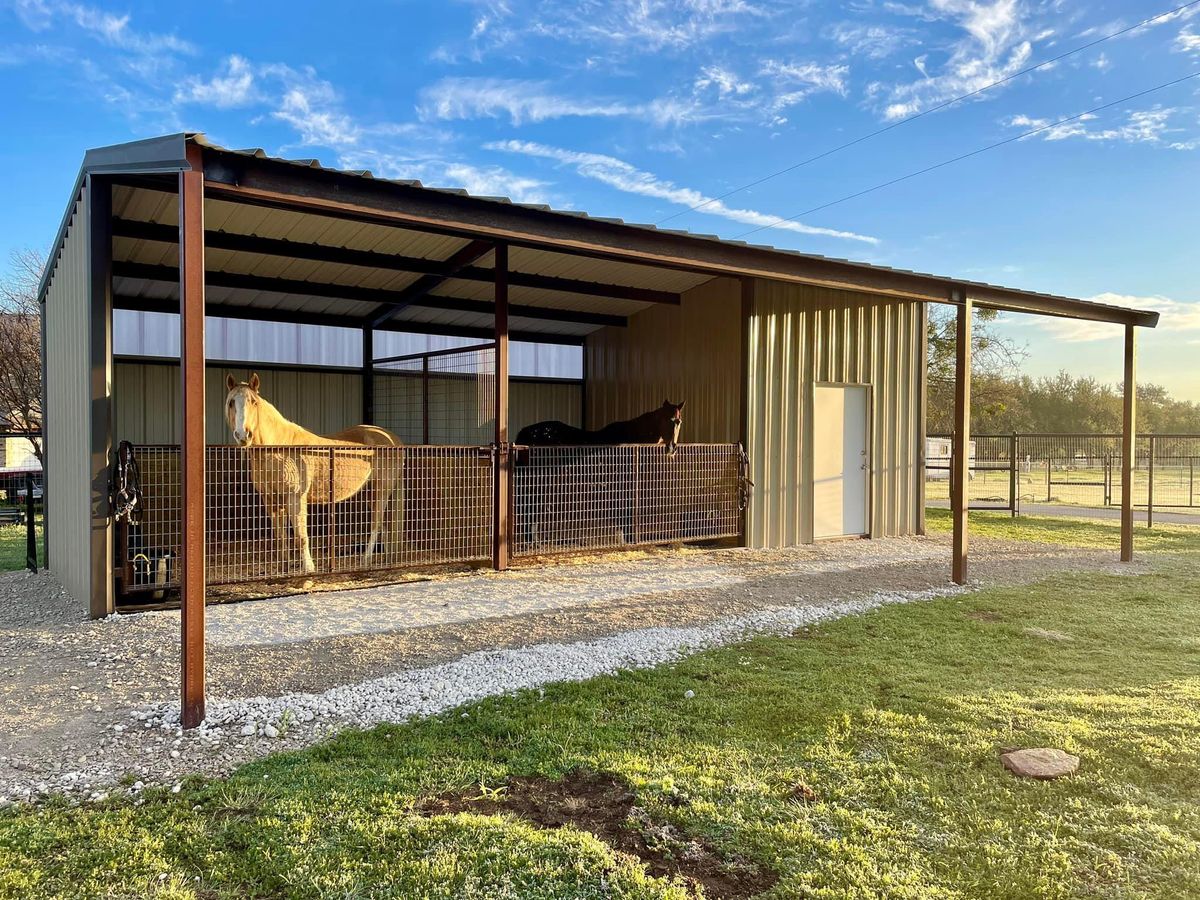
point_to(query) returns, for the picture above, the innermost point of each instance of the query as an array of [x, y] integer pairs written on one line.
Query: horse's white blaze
[[237, 415]]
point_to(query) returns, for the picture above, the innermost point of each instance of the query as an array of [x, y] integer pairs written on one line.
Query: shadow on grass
[[1080, 532]]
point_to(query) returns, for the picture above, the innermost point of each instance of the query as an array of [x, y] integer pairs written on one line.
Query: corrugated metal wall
[[68, 412], [138, 333], [690, 352], [147, 401], [801, 335]]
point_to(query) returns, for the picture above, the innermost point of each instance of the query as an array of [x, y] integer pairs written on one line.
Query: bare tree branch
[[21, 348]]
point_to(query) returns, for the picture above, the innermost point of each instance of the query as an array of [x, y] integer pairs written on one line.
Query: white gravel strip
[[314, 616], [425, 692]]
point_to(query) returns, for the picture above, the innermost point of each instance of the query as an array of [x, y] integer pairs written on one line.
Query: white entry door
[[841, 466]]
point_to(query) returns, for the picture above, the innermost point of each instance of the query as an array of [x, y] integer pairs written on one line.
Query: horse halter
[[127, 485]]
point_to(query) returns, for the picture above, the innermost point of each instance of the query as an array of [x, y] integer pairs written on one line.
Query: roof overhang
[[625, 256], [164, 154]]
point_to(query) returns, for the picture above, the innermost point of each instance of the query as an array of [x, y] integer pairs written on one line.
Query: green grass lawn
[[12, 546], [857, 759], [1094, 534]]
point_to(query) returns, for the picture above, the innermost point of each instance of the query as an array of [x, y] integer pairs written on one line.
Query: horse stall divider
[[593, 497]]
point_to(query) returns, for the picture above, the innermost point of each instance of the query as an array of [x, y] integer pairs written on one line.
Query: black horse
[[659, 426]]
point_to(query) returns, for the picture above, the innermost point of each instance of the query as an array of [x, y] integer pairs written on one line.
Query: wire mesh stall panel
[[439, 397], [604, 497], [280, 512]]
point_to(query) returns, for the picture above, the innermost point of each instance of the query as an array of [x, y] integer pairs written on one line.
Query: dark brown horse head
[[671, 416]]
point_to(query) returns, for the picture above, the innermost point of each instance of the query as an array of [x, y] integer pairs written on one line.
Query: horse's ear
[[230, 383], [254, 382]]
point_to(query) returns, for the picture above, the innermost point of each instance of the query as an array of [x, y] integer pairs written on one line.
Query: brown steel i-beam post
[[191, 307], [1128, 444], [500, 511], [962, 439], [101, 410], [368, 376]]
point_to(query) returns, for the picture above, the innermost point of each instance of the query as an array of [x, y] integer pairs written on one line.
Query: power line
[[931, 110], [975, 152]]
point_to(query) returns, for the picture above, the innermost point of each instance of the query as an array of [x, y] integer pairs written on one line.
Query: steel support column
[[961, 460], [191, 308], [100, 551], [368, 376], [1128, 444], [501, 532]]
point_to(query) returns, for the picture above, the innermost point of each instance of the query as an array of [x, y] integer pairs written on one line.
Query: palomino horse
[[659, 426], [289, 480]]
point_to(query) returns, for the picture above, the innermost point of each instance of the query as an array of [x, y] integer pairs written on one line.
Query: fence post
[[30, 526], [425, 400], [637, 495], [1012, 474], [1108, 479], [329, 523], [1191, 480], [1049, 476], [1150, 488]]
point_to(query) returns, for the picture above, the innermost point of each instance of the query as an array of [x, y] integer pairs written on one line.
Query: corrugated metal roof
[[260, 153], [536, 257], [149, 206]]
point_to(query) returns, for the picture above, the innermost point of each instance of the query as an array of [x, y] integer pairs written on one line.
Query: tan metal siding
[[147, 401], [803, 335], [532, 401], [68, 411], [690, 352]]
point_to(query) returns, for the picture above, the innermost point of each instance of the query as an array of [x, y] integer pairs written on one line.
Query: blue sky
[[641, 109]]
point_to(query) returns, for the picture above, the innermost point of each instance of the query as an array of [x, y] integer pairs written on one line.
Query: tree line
[[1004, 400]]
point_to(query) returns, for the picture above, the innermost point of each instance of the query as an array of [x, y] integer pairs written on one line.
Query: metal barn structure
[[815, 366]]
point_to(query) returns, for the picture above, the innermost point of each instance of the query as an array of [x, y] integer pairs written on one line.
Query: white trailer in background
[[938, 451]]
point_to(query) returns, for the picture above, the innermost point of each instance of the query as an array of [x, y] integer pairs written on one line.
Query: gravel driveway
[[84, 704]]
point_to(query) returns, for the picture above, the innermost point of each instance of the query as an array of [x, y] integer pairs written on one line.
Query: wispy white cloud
[[621, 175], [1177, 317], [311, 106], [997, 43], [725, 82], [44, 15], [792, 82], [234, 86], [1147, 126], [870, 41], [135, 64], [487, 181], [534, 101], [624, 26], [1187, 41]]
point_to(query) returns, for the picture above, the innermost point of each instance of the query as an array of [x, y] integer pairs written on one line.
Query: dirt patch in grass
[[606, 807]]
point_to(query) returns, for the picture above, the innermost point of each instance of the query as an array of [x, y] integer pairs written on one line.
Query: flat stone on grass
[[1040, 762]]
